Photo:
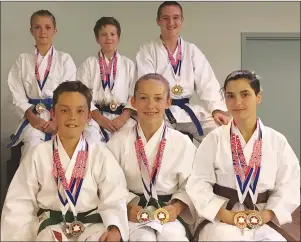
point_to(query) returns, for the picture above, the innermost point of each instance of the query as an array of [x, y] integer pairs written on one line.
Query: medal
[[66, 230], [177, 90], [143, 216], [76, 228], [240, 220], [113, 106], [40, 108], [162, 215], [254, 220]]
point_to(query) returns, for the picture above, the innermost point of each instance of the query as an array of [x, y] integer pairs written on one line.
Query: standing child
[[187, 71], [111, 77], [32, 80]]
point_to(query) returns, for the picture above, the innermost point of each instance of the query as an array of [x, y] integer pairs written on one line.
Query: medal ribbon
[[142, 159], [76, 178], [105, 70], [176, 64], [246, 175], [49, 62]]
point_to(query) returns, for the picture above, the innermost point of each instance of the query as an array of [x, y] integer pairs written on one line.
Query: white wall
[[214, 26]]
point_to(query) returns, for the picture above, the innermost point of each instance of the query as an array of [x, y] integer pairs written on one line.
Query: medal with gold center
[[113, 106], [162, 215], [40, 108], [240, 220], [143, 216], [254, 221], [177, 90]]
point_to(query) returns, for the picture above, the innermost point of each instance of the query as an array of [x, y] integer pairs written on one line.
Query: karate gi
[[34, 188], [196, 74], [89, 74], [279, 174], [24, 88], [176, 167]]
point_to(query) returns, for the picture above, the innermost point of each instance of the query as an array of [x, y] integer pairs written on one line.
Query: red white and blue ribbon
[[105, 70], [41, 84], [175, 63], [148, 177], [246, 175], [73, 188]]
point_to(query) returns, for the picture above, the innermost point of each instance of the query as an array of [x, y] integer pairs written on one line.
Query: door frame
[[247, 36]]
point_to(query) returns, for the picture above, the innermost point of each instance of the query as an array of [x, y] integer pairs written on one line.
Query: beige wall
[[213, 26]]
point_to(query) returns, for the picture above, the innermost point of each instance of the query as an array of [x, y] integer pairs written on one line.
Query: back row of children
[[111, 77], [148, 182]]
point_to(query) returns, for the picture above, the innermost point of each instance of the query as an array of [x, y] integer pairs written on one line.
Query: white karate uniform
[[176, 167], [33, 187], [279, 174], [89, 74], [196, 75], [23, 86]]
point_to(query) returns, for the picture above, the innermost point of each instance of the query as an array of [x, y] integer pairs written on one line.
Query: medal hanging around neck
[[246, 175], [149, 178], [40, 107], [105, 70], [176, 65], [71, 190]]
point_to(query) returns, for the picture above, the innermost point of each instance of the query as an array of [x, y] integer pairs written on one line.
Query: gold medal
[[143, 216], [162, 215], [40, 108], [76, 228], [177, 90], [254, 220], [240, 220], [113, 106]]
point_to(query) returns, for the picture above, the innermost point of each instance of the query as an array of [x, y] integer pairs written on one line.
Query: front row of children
[[149, 183]]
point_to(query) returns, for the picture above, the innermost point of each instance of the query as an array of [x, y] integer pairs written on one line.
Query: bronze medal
[[76, 228], [254, 220], [143, 216], [240, 220]]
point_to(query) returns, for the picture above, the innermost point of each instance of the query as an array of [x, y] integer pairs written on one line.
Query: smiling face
[[150, 100], [71, 113], [241, 99], [170, 21]]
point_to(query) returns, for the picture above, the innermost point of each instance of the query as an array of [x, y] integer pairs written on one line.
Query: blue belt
[[48, 104], [182, 104], [107, 109]]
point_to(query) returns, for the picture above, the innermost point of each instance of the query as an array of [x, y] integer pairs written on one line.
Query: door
[[276, 58]]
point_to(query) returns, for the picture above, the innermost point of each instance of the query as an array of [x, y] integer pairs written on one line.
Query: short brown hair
[[168, 3], [43, 12], [107, 21], [72, 86]]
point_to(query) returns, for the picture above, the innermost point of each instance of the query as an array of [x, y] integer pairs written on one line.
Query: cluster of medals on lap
[[160, 215]]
